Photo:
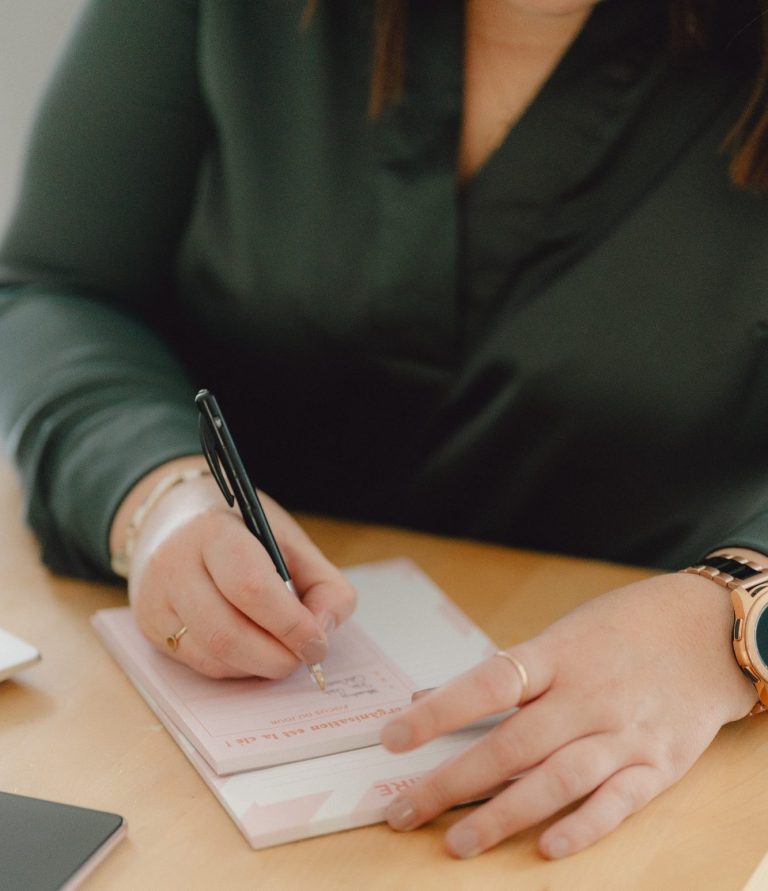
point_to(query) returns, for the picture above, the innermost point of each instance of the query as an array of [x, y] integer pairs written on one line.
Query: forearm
[[93, 403]]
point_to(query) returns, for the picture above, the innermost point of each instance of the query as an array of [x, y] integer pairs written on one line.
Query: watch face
[[759, 638]]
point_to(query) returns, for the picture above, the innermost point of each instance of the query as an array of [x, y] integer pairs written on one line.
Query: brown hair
[[694, 26]]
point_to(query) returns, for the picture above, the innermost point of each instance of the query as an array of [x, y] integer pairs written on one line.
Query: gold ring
[[172, 641], [520, 669]]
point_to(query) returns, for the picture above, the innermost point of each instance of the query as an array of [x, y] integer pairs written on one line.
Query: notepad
[[289, 761], [246, 723]]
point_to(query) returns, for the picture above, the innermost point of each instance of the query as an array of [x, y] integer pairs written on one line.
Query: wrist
[[743, 573], [142, 500], [702, 616]]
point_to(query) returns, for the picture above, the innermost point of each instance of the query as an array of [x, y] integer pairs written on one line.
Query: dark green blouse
[[568, 353]]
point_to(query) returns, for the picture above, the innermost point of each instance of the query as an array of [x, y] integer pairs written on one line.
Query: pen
[[226, 466]]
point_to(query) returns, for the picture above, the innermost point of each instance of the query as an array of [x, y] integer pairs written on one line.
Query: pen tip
[[317, 673]]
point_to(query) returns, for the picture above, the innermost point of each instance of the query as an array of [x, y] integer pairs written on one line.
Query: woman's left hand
[[625, 693]]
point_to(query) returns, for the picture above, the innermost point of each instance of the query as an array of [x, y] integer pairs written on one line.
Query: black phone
[[49, 846]]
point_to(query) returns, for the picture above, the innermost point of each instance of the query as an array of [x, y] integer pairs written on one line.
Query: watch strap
[[731, 572]]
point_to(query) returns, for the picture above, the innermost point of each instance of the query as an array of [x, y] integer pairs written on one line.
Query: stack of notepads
[[288, 761]]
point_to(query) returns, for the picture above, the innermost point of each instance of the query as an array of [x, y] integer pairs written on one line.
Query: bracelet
[[121, 561]]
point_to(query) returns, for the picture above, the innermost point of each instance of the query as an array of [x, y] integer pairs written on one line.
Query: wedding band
[[520, 669], [172, 641]]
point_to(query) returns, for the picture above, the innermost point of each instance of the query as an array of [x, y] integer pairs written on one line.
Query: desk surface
[[73, 729]]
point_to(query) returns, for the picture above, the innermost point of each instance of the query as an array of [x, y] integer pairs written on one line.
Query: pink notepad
[[306, 760], [242, 724]]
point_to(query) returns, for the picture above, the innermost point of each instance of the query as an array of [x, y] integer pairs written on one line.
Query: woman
[[512, 290]]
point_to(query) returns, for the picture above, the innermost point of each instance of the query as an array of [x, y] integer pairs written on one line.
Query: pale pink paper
[[243, 724]]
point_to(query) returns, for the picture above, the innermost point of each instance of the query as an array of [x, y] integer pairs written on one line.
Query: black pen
[[222, 455]]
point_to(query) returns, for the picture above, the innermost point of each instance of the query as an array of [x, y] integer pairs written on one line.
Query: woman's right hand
[[195, 565]]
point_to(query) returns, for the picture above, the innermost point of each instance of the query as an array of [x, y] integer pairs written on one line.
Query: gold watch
[[748, 584]]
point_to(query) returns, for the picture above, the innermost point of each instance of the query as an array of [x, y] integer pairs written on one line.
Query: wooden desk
[[73, 729]]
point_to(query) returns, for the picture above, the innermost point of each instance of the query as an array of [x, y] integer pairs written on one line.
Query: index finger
[[489, 688], [242, 570], [323, 588]]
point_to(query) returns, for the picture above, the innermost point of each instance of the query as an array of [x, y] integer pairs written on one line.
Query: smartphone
[[48, 846]]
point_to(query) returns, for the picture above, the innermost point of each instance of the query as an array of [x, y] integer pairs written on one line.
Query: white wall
[[31, 32]]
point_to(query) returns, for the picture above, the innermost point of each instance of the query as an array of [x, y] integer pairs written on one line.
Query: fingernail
[[419, 693], [396, 736], [328, 622], [401, 814], [558, 847], [314, 651], [463, 841]]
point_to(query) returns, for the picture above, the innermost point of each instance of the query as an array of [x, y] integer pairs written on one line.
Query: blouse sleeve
[[90, 398]]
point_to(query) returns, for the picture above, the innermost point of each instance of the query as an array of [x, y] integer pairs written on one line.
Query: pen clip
[[210, 447], [230, 474]]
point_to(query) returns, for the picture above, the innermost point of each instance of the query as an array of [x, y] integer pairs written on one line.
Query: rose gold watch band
[[731, 572]]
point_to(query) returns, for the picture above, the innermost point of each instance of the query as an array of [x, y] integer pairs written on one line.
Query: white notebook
[[325, 771]]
